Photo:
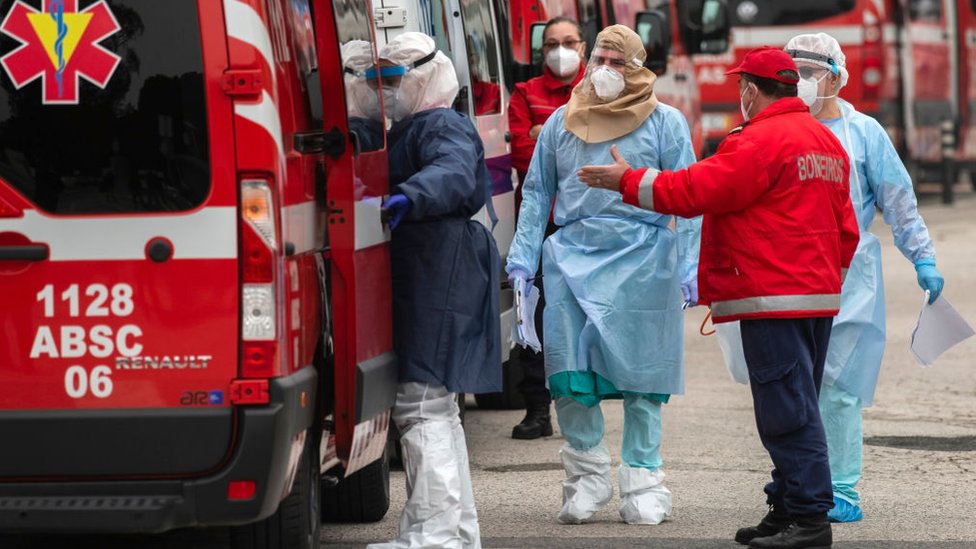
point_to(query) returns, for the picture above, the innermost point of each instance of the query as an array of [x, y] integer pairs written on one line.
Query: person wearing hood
[[879, 181], [531, 105], [778, 236], [362, 99], [445, 270], [614, 276]]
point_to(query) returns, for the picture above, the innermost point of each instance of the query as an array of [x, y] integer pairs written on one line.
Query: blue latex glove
[[398, 205], [689, 290], [929, 278], [516, 274]]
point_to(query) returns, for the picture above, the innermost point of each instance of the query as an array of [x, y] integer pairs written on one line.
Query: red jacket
[[778, 231], [532, 102]]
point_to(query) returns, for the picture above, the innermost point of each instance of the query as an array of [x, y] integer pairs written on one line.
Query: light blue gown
[[857, 340], [612, 271], [858, 337]]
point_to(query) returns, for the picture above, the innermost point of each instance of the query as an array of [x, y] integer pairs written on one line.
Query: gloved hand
[[398, 205], [689, 289], [515, 275], [929, 278]]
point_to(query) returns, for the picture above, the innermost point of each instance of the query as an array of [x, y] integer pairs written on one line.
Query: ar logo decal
[[59, 44]]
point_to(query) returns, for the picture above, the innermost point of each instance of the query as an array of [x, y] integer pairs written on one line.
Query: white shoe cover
[[587, 487], [644, 498]]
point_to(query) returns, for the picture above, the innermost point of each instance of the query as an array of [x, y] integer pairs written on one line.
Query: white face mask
[[807, 89], [392, 104], [742, 106], [607, 83], [563, 62]]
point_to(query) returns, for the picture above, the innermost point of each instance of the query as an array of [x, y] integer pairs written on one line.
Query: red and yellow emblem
[[60, 44]]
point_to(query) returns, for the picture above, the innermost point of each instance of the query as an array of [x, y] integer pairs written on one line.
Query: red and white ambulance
[[195, 271]]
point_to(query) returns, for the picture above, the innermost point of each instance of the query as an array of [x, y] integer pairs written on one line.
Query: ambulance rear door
[[365, 368]]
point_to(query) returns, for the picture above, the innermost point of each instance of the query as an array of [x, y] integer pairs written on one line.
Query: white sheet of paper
[[530, 300], [938, 329]]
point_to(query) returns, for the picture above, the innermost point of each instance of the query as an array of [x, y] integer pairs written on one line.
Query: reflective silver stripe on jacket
[[843, 275], [776, 303], [645, 191]]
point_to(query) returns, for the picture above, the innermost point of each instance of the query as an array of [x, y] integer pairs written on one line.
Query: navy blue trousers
[[786, 362]]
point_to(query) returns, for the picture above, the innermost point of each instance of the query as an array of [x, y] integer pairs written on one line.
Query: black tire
[[297, 522], [510, 398], [363, 497]]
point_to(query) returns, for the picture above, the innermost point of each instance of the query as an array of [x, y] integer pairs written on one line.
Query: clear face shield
[[815, 84], [607, 73], [392, 80]]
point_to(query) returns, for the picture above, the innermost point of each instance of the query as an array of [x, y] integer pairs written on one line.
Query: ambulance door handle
[[29, 252]]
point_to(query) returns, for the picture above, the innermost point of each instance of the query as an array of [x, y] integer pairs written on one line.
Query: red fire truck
[[910, 62], [196, 274]]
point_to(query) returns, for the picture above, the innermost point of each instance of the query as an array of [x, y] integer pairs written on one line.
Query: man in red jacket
[[777, 235], [531, 104]]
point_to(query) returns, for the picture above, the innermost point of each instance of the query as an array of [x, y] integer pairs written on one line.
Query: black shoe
[[810, 532], [537, 423], [773, 523]]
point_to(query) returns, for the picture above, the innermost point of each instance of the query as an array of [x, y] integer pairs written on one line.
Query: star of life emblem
[[59, 45]]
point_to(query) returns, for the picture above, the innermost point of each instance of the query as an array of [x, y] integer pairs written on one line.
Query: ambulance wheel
[[297, 522], [362, 497], [509, 398]]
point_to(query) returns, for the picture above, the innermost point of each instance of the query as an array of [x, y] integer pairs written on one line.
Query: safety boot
[[806, 532], [774, 522], [537, 423]]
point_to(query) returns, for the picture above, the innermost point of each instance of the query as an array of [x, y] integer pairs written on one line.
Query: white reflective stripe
[[645, 192], [370, 229], [265, 114], [777, 37], [776, 303], [890, 33], [244, 24], [210, 233], [299, 223], [928, 34]]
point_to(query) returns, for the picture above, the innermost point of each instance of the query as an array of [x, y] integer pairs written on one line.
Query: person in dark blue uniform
[[446, 272]]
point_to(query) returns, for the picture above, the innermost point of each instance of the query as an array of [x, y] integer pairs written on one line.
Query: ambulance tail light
[[259, 280], [872, 63]]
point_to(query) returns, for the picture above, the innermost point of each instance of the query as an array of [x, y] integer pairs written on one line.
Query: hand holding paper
[[938, 329]]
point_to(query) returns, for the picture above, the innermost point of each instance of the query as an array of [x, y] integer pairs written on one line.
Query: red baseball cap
[[765, 62]]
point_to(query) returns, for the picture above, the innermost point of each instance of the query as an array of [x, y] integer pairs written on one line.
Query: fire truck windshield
[[778, 12], [103, 111]]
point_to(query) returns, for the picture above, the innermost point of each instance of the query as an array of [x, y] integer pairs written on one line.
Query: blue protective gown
[[612, 271], [857, 340], [446, 267]]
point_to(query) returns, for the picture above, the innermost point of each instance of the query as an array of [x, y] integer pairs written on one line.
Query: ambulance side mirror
[[710, 33], [653, 29]]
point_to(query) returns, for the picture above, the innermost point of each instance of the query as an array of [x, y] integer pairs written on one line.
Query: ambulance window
[[589, 20], [925, 10], [111, 125], [358, 55], [479, 37], [792, 12]]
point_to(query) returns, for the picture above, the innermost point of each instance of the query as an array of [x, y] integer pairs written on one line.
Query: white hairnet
[[428, 86], [361, 101], [820, 44]]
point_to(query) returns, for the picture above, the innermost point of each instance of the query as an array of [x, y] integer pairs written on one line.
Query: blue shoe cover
[[844, 511]]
